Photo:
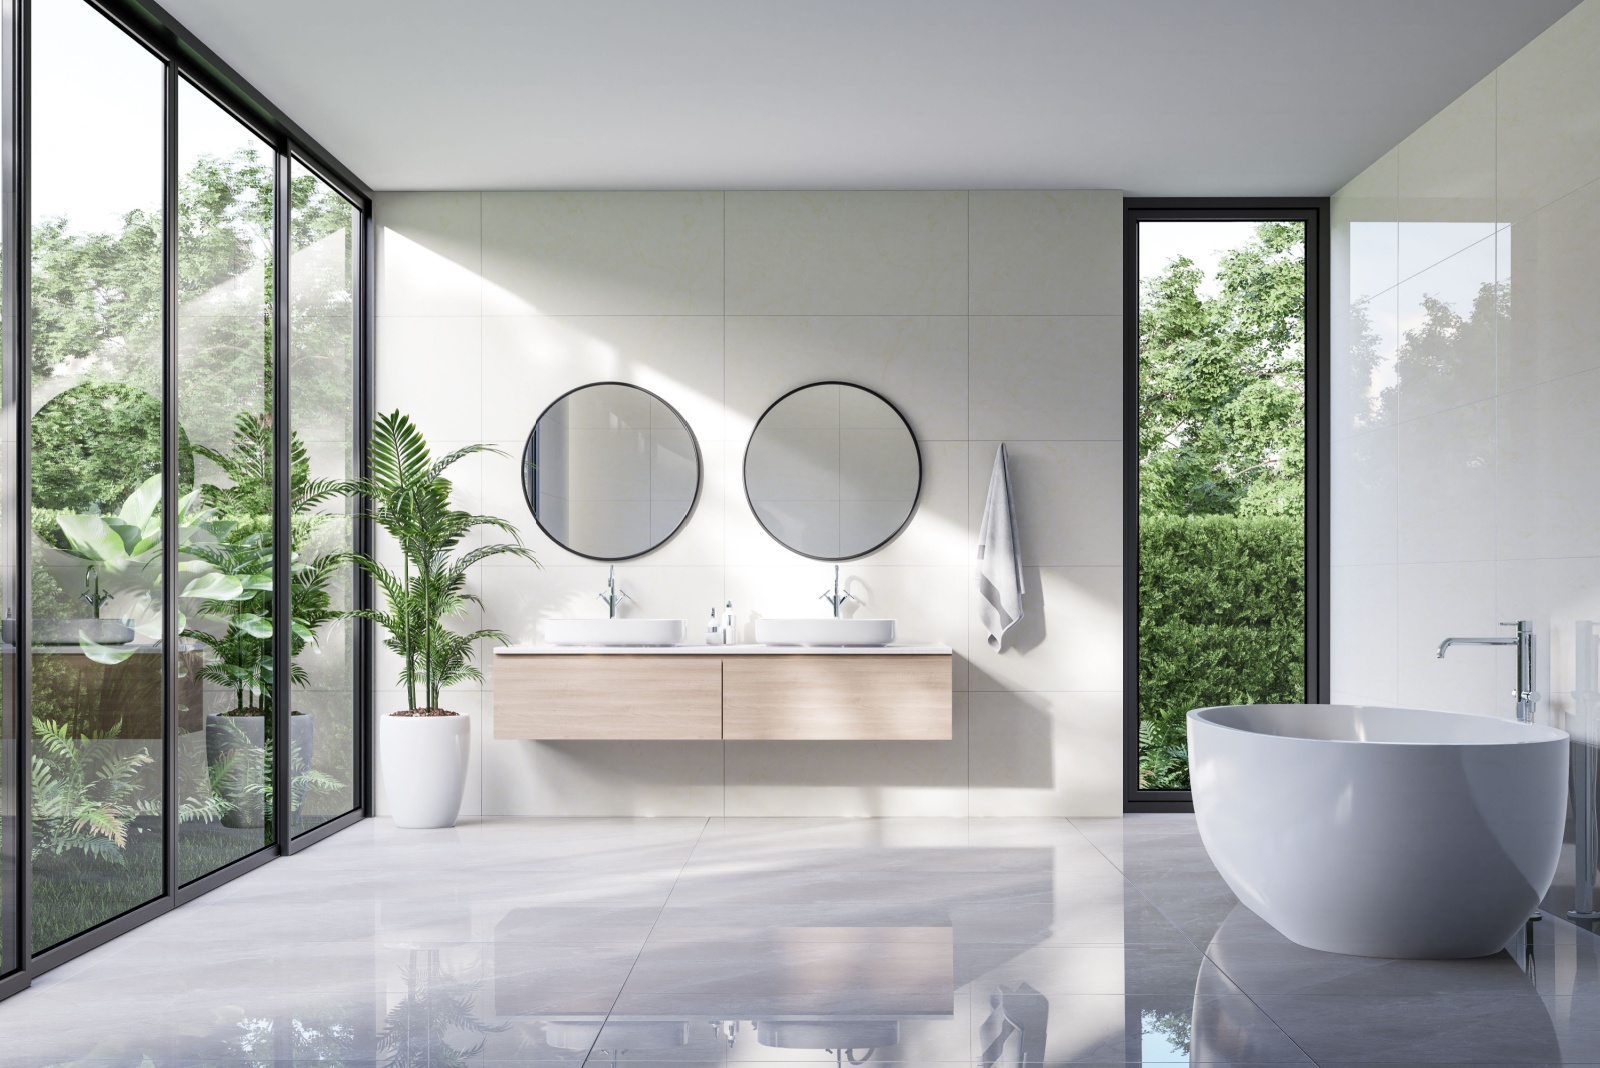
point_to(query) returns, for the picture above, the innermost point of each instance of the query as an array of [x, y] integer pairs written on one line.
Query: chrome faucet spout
[[612, 596], [1526, 693], [838, 597]]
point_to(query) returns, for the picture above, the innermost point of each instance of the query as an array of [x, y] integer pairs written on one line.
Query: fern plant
[[408, 496], [87, 791]]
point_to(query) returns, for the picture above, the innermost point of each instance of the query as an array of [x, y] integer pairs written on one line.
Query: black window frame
[[185, 57], [1314, 213]]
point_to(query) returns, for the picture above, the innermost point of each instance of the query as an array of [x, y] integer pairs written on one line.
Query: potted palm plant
[[424, 746]]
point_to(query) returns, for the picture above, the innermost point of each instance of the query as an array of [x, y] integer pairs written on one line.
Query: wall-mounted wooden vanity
[[737, 693]]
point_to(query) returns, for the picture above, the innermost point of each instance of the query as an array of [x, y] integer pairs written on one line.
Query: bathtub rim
[[1539, 733]]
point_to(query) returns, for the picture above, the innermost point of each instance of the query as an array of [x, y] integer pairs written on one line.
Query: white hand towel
[[999, 557]]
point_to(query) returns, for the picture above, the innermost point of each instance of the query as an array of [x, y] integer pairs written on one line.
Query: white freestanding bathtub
[[1381, 832]]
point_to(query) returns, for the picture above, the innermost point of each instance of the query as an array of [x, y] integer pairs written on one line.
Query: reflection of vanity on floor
[[731, 692]]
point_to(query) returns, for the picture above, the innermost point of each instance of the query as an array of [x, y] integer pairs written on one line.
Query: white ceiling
[[1156, 97]]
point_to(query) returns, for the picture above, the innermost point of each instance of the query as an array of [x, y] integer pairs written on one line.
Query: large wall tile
[[1047, 252], [1067, 496], [524, 778], [1446, 180], [432, 370], [429, 253], [1448, 317], [1549, 115], [602, 253], [847, 253], [1550, 266], [1365, 498], [917, 362], [851, 778], [1050, 378], [1365, 624], [1046, 754], [1070, 636], [1437, 601], [1548, 498], [532, 360], [1447, 485]]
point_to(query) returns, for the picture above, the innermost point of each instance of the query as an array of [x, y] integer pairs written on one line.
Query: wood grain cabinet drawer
[[821, 697], [608, 697]]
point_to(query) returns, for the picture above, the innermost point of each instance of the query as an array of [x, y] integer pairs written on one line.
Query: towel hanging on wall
[[1000, 586]]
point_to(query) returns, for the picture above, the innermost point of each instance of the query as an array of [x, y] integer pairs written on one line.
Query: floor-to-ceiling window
[[224, 393], [1223, 473], [166, 497], [95, 551]]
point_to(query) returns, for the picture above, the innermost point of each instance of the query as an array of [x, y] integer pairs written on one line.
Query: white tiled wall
[[983, 316], [1466, 463]]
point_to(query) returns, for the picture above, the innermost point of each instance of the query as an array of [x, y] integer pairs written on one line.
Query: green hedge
[[1221, 621]]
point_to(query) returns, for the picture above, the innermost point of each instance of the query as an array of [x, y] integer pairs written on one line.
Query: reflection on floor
[[777, 942]]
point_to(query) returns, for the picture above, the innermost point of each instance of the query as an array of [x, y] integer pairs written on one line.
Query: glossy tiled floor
[[776, 942]]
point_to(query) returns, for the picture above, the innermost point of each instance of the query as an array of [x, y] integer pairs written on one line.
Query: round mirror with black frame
[[833, 471], [611, 471]]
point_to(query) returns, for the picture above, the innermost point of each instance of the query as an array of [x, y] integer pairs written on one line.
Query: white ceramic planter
[[425, 768]]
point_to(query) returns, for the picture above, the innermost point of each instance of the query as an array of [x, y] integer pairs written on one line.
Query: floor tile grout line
[[705, 824]]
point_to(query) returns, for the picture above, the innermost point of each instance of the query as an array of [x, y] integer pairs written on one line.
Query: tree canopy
[[1222, 382]]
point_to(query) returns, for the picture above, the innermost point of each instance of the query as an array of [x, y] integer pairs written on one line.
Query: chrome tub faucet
[[1527, 694]]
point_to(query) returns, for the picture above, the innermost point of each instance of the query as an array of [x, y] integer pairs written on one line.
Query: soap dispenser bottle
[[713, 633], [727, 627]]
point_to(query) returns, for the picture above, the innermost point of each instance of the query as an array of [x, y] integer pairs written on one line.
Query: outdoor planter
[[425, 766], [245, 735]]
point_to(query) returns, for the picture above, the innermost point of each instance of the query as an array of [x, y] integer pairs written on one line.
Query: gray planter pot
[[244, 738]]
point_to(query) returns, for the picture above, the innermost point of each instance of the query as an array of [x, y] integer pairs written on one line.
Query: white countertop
[[927, 649]]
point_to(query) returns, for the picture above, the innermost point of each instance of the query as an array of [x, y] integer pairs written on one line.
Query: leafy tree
[[1222, 383], [1221, 491]]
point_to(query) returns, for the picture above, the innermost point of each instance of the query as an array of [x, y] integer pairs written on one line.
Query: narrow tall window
[[1221, 517]]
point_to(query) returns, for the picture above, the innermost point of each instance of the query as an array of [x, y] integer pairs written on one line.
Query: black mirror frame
[[530, 470], [916, 498]]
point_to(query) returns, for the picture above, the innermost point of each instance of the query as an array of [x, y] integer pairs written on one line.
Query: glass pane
[[1222, 434], [224, 408], [10, 862], [96, 427], [322, 409]]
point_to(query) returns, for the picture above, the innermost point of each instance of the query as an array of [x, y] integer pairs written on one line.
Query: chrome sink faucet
[[1527, 679], [611, 595], [838, 597]]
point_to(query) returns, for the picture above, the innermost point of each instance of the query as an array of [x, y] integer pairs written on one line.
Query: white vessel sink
[[614, 631], [825, 631]]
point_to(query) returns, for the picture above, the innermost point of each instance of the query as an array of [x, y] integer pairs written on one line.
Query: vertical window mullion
[[282, 546], [170, 483], [16, 386]]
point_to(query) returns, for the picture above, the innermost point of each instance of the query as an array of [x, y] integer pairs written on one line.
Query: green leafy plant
[[124, 552], [241, 653], [1221, 621], [87, 791], [409, 498]]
